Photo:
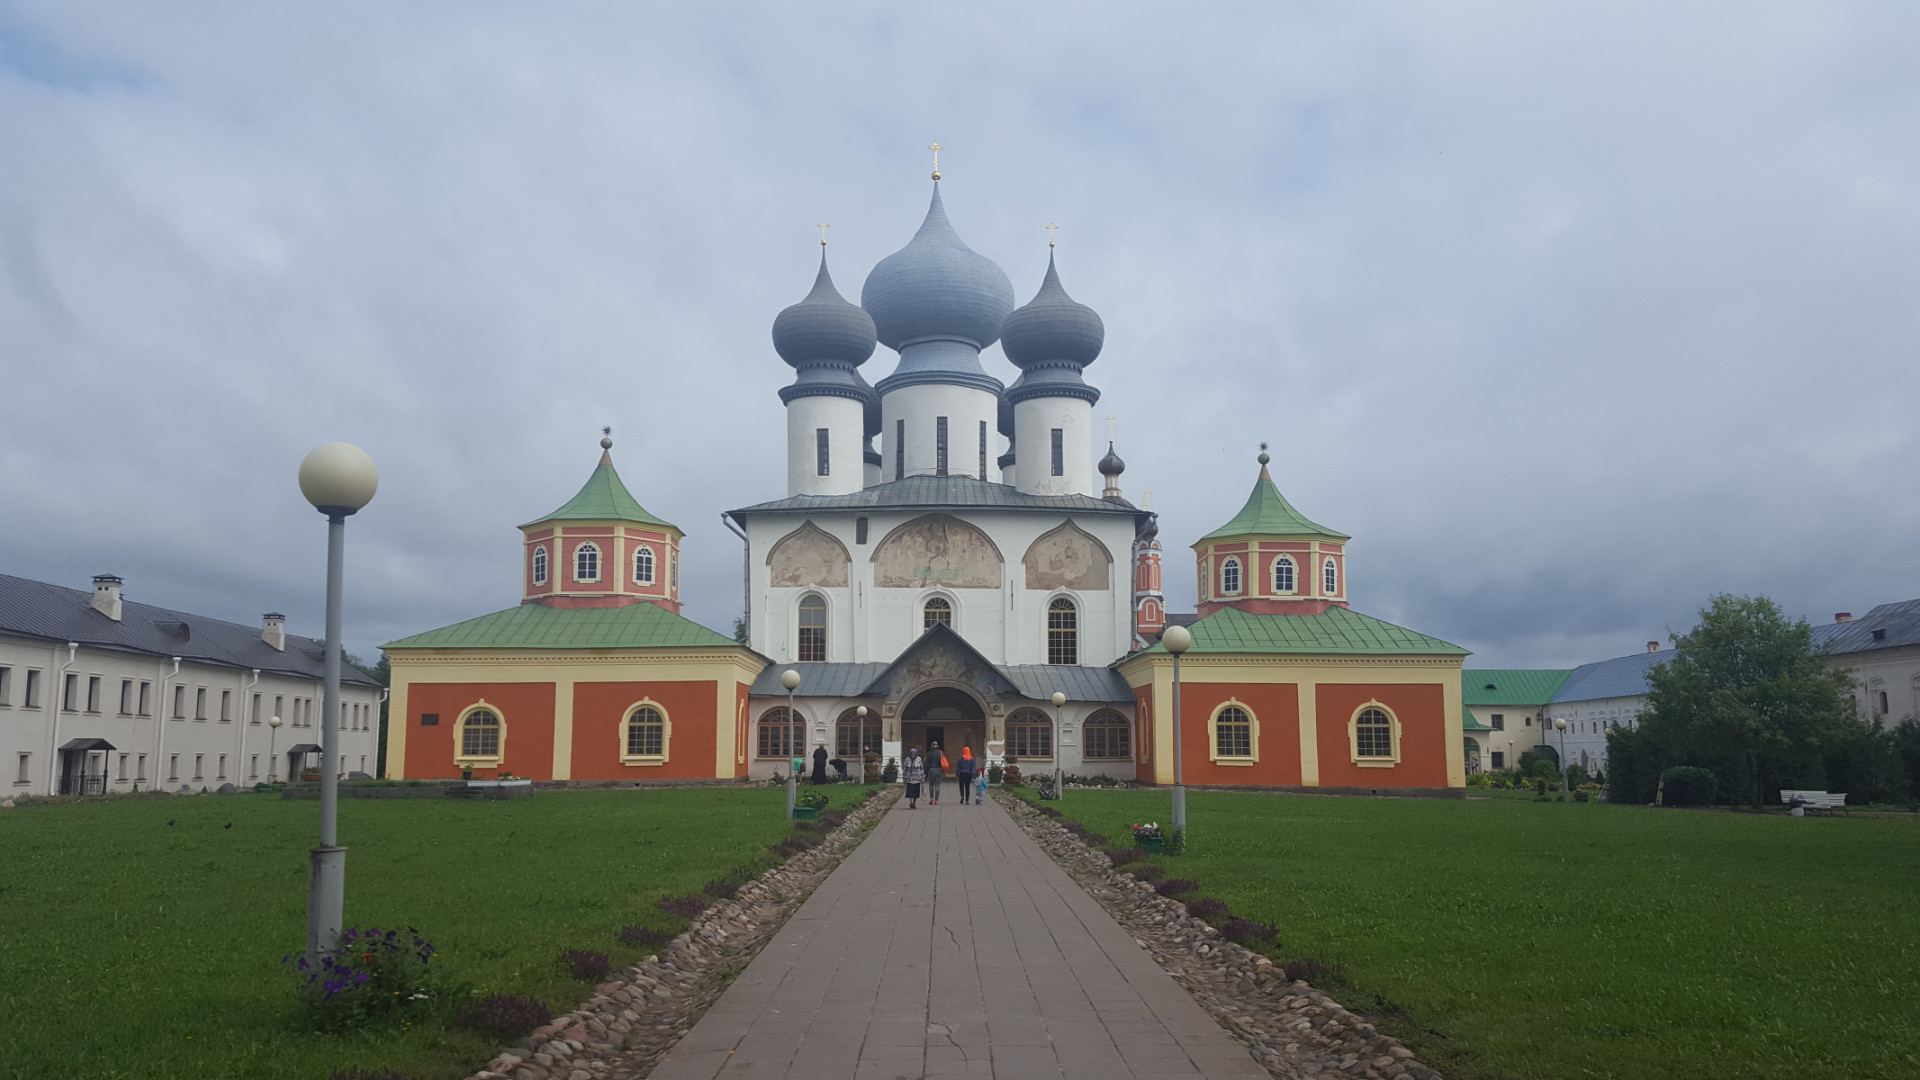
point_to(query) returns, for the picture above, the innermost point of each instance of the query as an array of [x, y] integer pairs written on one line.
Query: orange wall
[[525, 708], [1423, 735], [599, 708], [1276, 707]]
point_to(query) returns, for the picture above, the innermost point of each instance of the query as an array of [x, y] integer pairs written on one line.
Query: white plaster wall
[[1894, 670], [1033, 424], [963, 406], [1587, 726], [159, 736], [1521, 735], [846, 469]]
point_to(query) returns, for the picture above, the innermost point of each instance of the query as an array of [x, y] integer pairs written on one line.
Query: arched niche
[[805, 557], [1068, 558], [937, 550]]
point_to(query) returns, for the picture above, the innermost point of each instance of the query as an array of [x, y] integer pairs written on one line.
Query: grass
[[1508, 938], [138, 948]]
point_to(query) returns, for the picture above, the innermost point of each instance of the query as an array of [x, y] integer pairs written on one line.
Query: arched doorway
[[946, 715]]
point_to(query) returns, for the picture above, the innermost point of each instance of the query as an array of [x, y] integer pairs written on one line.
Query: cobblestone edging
[[631, 1021], [1293, 1030]]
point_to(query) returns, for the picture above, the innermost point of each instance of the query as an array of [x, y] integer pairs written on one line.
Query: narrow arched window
[[1883, 703], [586, 562], [1283, 575], [1330, 578], [1107, 735], [937, 610], [1233, 733], [813, 628], [776, 737], [540, 565], [643, 565], [646, 732], [1373, 734], [1063, 632], [1230, 576], [480, 735]]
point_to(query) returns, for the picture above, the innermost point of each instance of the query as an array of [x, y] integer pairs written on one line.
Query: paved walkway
[[949, 945]]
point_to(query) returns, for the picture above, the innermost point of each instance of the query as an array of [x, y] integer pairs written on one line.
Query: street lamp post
[[273, 723], [1059, 728], [791, 680], [1560, 725], [1177, 640], [338, 479], [861, 711]]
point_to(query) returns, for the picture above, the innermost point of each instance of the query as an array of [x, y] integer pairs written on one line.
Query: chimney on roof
[[1653, 646], [106, 595], [1843, 616], [273, 630]]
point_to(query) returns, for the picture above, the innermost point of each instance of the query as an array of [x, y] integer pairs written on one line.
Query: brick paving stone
[[949, 945]]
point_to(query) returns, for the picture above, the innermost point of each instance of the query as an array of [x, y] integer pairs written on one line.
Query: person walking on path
[[980, 793], [936, 770], [964, 774], [914, 772]]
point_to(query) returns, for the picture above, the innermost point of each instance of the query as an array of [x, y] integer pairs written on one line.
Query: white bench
[[1816, 800]]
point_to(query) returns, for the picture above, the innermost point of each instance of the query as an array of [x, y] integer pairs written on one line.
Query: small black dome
[[1111, 465]]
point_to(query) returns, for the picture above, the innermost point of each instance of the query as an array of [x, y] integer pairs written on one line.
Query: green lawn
[[135, 948], [1546, 940]]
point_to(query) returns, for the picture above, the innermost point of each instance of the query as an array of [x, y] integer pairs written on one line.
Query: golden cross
[[1109, 427], [823, 233], [936, 148], [1146, 498], [1051, 230]]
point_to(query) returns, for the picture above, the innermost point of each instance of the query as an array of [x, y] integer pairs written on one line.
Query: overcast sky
[[1570, 316]]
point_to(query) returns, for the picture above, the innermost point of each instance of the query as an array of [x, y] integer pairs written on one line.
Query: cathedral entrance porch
[[947, 716]]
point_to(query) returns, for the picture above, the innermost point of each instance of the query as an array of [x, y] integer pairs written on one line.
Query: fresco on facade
[[1068, 558], [807, 556], [937, 550]]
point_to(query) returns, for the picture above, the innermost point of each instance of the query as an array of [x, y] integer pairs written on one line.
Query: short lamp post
[[1560, 725], [338, 479], [1059, 729], [862, 713], [273, 733], [791, 680], [1177, 640]]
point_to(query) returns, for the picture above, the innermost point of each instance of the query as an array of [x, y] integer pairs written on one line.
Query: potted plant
[[994, 774], [1148, 836], [891, 772], [870, 766], [310, 776], [466, 772], [1012, 773]]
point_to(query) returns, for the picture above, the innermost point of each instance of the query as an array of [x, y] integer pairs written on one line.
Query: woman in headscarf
[[913, 772], [963, 772]]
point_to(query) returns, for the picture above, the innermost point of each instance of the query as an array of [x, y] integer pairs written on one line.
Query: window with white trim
[[820, 452], [1059, 452], [813, 629], [778, 734], [646, 732], [1063, 632], [540, 564], [1230, 575], [480, 734], [1030, 735], [1107, 735], [1373, 734], [854, 735], [1283, 575], [643, 565], [937, 610], [1233, 733], [1330, 578], [586, 562]]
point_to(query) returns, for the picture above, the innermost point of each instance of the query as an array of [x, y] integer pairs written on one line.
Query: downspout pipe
[[246, 711], [746, 571], [160, 720], [59, 690]]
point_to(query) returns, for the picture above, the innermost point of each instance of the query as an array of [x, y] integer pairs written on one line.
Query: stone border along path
[[634, 1019], [1292, 1029]]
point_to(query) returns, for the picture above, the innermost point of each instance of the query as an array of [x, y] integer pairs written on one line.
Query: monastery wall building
[[945, 560]]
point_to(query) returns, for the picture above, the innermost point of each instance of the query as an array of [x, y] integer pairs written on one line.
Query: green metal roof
[[1480, 686], [1268, 513], [537, 626], [604, 498], [1470, 722], [1335, 630]]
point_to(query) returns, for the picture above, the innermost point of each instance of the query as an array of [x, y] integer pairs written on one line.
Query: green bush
[[368, 978], [1687, 785]]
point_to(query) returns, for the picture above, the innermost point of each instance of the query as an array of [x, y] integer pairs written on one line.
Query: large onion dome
[[824, 327], [937, 288], [1053, 327]]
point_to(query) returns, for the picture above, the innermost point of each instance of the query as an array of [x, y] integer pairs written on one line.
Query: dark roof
[[819, 680], [87, 744], [1623, 676], [940, 493], [1481, 686], [36, 609], [1037, 681], [1898, 623]]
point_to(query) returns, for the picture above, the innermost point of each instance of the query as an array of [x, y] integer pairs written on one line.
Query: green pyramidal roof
[[604, 498], [1268, 513], [537, 626], [1335, 630]]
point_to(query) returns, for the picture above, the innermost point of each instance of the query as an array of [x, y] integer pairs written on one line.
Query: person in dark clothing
[[819, 765], [963, 772], [936, 771]]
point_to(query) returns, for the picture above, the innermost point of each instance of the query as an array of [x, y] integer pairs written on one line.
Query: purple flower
[[361, 978]]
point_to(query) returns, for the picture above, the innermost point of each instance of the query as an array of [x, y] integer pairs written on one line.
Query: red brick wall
[[599, 709], [1276, 709], [1421, 711], [526, 710]]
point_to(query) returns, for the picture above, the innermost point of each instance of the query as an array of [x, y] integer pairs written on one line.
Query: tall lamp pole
[[1059, 728], [862, 711], [338, 479], [791, 680], [1560, 725], [1177, 640], [273, 724]]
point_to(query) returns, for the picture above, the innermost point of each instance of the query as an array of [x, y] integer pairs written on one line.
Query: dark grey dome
[[1053, 327], [937, 288], [1111, 465], [823, 328]]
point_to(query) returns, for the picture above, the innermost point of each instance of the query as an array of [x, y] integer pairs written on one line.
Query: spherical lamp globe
[[274, 721], [1059, 699], [338, 478], [790, 678], [1176, 639], [1560, 723]]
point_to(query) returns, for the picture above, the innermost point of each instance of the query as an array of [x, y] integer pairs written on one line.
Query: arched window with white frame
[[779, 734], [586, 562], [1373, 736], [1230, 576], [1330, 578], [1234, 735], [1283, 575], [540, 564], [643, 565], [481, 737], [813, 629], [643, 737], [1063, 632], [938, 609], [1107, 736]]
